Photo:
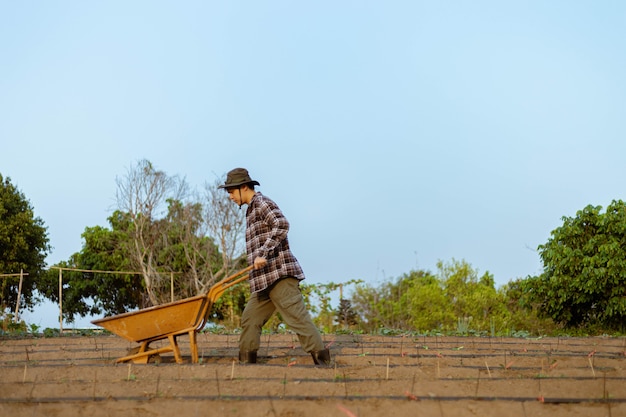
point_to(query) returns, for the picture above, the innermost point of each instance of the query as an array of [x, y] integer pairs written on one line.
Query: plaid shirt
[[266, 236]]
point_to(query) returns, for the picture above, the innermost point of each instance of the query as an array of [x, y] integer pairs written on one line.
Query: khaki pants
[[284, 297]]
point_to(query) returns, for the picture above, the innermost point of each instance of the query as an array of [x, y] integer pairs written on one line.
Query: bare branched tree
[[200, 252], [197, 237], [210, 231], [143, 194], [226, 223]]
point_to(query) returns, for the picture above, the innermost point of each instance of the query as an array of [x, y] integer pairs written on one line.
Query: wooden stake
[[591, 365], [232, 371], [24, 377], [19, 293], [488, 371]]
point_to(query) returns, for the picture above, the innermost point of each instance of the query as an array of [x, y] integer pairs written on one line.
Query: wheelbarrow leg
[[137, 354], [142, 354], [174, 344], [142, 349], [194, 346]]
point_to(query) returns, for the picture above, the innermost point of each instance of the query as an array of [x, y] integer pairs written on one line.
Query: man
[[274, 280]]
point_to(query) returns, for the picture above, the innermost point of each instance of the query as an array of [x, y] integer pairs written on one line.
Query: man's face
[[235, 195]]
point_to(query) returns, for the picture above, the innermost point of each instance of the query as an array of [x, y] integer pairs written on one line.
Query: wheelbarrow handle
[[217, 289], [235, 275]]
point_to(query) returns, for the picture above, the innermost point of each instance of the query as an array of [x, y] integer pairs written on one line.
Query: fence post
[[60, 300], [19, 294]]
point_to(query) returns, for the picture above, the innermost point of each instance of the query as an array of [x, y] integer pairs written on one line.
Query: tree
[[364, 300], [423, 301], [390, 306], [427, 305], [164, 238], [107, 250], [170, 230], [226, 223], [523, 312], [90, 293], [346, 316], [209, 234], [472, 298], [24, 245], [584, 270], [143, 195]]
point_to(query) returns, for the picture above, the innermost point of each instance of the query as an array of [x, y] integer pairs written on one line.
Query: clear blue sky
[[393, 134]]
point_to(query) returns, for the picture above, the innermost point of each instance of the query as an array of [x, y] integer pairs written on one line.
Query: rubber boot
[[247, 356], [321, 357]]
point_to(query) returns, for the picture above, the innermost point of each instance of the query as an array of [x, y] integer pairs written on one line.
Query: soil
[[371, 376]]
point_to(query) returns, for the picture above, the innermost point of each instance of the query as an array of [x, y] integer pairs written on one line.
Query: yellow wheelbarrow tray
[[168, 321]]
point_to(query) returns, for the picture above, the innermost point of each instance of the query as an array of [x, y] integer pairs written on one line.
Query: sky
[[392, 134]]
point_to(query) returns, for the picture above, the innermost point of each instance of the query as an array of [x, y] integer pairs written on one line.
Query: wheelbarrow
[[168, 321]]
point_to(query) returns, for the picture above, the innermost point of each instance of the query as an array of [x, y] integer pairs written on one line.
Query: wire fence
[[22, 274]]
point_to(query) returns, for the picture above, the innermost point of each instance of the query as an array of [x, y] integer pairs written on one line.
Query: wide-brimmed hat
[[237, 177]]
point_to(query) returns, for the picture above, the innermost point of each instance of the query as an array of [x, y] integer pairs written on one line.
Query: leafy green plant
[[48, 332], [9, 326], [34, 329], [463, 324]]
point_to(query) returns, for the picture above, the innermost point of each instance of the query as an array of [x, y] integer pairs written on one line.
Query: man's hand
[[259, 262]]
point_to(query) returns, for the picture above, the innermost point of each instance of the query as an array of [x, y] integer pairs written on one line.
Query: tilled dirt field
[[371, 376]]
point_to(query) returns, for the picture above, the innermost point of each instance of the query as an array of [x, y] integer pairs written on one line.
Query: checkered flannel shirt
[[266, 236]]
